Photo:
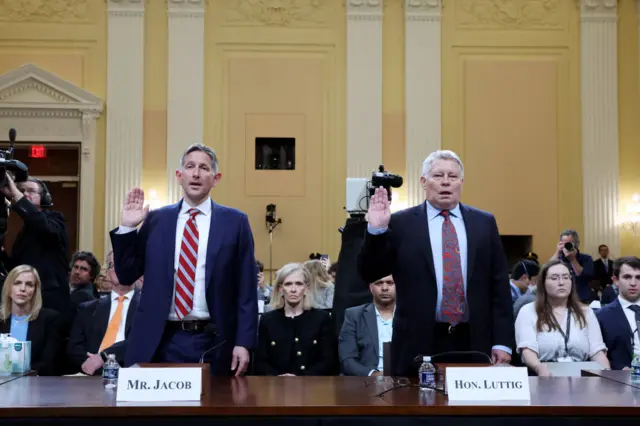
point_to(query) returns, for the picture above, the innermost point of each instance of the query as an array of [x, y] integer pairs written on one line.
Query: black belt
[[193, 325], [452, 329]]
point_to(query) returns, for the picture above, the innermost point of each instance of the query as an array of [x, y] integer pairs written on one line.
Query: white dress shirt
[[385, 333], [125, 309], [631, 318], [200, 310], [549, 345]]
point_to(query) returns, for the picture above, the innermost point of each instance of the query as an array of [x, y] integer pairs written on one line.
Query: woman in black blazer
[[294, 339], [23, 316]]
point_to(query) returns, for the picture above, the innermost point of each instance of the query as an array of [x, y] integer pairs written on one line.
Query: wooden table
[[317, 401], [619, 376]]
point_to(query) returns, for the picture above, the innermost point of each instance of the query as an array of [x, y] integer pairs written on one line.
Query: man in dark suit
[[84, 270], [365, 329], [603, 267], [197, 258], [102, 326], [619, 320], [450, 271], [42, 243]]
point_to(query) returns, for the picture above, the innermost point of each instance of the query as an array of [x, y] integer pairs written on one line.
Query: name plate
[[159, 384], [488, 384]]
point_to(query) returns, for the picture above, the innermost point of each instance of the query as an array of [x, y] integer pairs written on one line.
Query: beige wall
[[511, 109]]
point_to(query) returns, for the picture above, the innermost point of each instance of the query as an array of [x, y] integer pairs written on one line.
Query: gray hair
[[202, 148], [441, 155], [573, 234]]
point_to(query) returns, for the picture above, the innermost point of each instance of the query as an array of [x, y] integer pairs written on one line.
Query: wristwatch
[[103, 355]]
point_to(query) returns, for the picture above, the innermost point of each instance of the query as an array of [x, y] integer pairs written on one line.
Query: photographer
[[580, 264], [42, 242]]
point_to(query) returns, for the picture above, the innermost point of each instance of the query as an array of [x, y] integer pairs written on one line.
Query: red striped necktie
[[186, 276]]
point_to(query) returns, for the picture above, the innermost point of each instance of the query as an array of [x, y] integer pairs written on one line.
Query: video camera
[[19, 171], [384, 179]]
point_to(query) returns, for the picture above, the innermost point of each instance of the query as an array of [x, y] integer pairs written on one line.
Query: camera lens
[[568, 246]]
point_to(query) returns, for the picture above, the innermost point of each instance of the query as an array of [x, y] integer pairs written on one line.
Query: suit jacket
[[616, 334], [609, 295], [404, 251], [303, 345], [90, 327], [43, 243], [230, 280], [358, 343], [81, 294], [44, 335], [601, 274]]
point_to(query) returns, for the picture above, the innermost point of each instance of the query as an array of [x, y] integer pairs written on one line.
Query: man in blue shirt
[[580, 264]]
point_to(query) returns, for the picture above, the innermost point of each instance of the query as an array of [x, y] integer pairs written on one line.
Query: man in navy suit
[[199, 300], [619, 320], [450, 272]]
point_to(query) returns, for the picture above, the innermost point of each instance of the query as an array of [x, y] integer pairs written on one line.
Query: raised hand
[[379, 213], [134, 210]]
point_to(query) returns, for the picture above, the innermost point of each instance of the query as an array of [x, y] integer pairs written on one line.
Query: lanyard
[[566, 334]]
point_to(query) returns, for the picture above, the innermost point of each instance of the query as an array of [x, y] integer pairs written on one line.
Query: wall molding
[[44, 108]]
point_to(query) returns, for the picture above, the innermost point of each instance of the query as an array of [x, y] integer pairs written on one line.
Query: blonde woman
[[23, 316], [322, 287], [294, 339]]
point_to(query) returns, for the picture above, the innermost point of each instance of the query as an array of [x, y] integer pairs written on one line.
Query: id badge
[[564, 359]]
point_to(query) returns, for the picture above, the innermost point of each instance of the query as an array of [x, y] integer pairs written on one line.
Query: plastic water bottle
[[635, 369], [110, 372], [427, 374]]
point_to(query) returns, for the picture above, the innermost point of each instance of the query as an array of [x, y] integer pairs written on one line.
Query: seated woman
[[293, 338], [322, 289], [24, 318], [556, 327]]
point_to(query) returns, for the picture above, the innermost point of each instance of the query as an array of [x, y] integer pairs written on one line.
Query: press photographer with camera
[[580, 264], [42, 242]]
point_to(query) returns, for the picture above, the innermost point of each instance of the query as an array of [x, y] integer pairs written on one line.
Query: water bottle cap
[[426, 359]]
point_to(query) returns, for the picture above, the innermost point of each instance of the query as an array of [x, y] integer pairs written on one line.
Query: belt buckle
[[183, 326], [451, 329]]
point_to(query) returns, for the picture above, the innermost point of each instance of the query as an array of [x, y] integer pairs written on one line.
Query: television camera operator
[[42, 242]]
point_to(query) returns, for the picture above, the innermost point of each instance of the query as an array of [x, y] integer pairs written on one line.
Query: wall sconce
[[154, 201], [631, 222]]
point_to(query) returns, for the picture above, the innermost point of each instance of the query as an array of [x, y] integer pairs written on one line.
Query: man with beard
[[365, 329], [619, 320]]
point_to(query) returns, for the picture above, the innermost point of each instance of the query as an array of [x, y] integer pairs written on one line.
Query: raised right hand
[[134, 210], [379, 213]]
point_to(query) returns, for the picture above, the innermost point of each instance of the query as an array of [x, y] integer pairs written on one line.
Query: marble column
[[599, 95], [185, 97], [125, 94], [423, 89], [364, 87]]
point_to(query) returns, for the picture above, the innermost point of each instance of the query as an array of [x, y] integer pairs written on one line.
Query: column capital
[[364, 10], [598, 10], [125, 7], [186, 8], [419, 10]]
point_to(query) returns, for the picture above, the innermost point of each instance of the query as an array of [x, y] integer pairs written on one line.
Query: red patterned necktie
[[186, 276], [453, 304]]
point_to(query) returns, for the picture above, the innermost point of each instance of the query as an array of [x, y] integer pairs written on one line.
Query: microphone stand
[[271, 226]]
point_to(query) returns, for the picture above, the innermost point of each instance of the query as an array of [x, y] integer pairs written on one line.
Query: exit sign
[[38, 151]]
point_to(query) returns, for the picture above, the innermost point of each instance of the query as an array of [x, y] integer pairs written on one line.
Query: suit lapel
[[133, 306], [621, 318], [102, 313], [5, 326], [472, 240], [420, 226], [170, 236], [372, 324], [214, 242]]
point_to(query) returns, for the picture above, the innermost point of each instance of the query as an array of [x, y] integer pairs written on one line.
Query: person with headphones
[[42, 243]]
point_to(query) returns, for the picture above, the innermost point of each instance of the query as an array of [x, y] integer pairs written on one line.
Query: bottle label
[[110, 373], [427, 378], [636, 369]]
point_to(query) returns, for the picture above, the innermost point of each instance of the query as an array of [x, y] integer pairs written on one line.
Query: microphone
[[419, 357], [212, 330], [12, 135]]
